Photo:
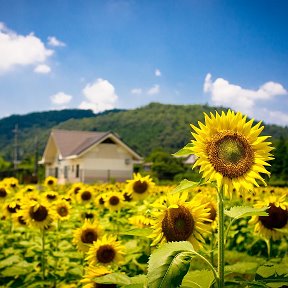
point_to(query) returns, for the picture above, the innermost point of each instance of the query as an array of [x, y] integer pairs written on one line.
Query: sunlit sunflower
[[18, 220], [4, 192], [51, 196], [75, 188], [37, 214], [230, 151], [50, 181], [92, 272], [270, 226], [178, 220], [87, 234], [11, 208], [140, 221], [85, 195], [62, 209], [11, 182], [100, 201], [208, 197], [106, 251], [140, 186], [114, 201]]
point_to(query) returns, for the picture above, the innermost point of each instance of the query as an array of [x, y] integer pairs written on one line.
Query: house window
[[77, 171], [56, 172], [65, 172]]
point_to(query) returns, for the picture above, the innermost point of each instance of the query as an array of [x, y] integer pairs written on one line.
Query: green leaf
[[245, 211], [113, 278], [185, 151], [9, 261], [198, 279], [242, 268], [21, 268], [185, 185], [169, 264], [141, 232]]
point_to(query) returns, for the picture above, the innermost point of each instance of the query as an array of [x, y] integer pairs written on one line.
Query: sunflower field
[[228, 230]]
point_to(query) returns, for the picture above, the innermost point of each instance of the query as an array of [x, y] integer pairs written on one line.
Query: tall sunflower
[[62, 209], [140, 186], [37, 214], [114, 201], [178, 220], [87, 234], [274, 225], [106, 251], [230, 151]]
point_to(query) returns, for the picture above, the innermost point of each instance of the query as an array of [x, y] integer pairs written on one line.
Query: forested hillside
[[143, 129]]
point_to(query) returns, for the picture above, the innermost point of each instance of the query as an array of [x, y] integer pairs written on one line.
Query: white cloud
[[20, 50], [100, 96], [42, 69], [53, 41], [154, 90], [238, 98], [272, 117], [136, 91], [157, 72], [60, 98]]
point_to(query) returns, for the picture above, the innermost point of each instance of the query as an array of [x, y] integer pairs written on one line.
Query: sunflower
[[50, 181], [277, 220], [87, 234], [37, 214], [18, 219], [230, 151], [106, 251], [114, 201], [51, 196], [139, 187], [91, 273], [11, 208], [140, 221], [11, 182], [100, 201], [85, 195], [62, 209], [178, 220], [4, 192]]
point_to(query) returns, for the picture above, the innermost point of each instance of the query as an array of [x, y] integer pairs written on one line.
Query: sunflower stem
[[221, 238], [43, 254], [268, 243]]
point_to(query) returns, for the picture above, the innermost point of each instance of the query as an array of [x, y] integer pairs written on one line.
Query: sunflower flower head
[[274, 225], [139, 187], [87, 234], [230, 151], [114, 201], [106, 251], [92, 272], [178, 220]]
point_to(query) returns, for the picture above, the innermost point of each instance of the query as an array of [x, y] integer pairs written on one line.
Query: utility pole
[[15, 156]]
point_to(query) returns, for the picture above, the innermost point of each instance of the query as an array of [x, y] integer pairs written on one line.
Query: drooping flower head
[[230, 151]]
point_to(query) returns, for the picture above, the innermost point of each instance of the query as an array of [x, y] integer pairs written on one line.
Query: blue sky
[[127, 53]]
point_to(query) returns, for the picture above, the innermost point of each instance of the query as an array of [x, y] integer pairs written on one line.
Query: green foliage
[[237, 212], [186, 185], [169, 264], [198, 279]]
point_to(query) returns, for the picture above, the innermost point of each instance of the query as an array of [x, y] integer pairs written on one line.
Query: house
[[86, 156]]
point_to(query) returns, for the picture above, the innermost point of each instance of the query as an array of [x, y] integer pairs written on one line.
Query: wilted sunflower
[[62, 209], [114, 201], [91, 273], [106, 251], [179, 220], [230, 151], [87, 234], [270, 226], [37, 214], [139, 187]]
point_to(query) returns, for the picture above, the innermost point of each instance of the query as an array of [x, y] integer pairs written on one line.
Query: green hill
[[143, 129]]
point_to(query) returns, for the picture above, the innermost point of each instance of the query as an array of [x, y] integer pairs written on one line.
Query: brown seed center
[[105, 254], [140, 187], [40, 214], [114, 200], [3, 192], [230, 154], [89, 236], [177, 224], [277, 217], [62, 211], [86, 195]]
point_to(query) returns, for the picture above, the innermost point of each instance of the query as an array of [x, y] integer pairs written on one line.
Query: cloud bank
[[100, 96], [244, 100]]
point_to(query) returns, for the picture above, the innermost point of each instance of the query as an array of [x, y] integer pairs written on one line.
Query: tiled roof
[[75, 142]]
